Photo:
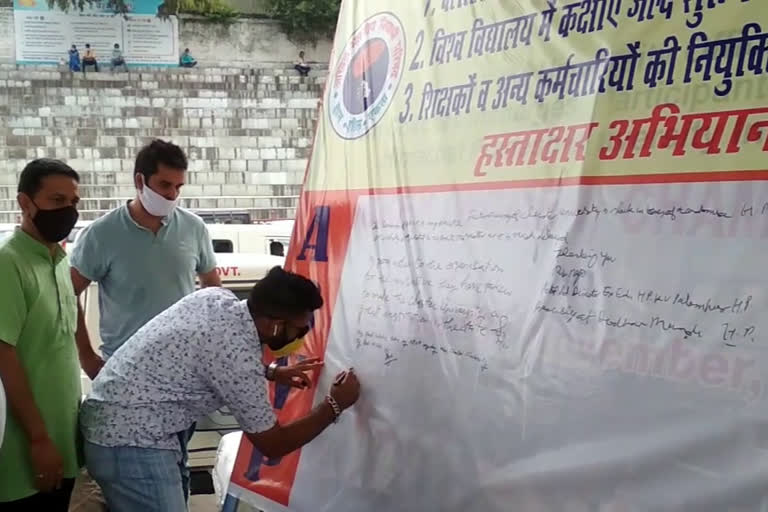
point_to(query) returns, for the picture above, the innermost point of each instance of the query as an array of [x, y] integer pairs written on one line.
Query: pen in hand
[[342, 377]]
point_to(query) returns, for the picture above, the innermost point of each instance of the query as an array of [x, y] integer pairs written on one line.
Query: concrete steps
[[247, 131]]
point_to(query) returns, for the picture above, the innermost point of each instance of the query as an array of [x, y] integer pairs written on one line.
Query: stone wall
[[245, 121], [244, 42], [247, 132]]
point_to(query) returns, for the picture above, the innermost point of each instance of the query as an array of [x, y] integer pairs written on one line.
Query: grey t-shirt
[[201, 354], [140, 273]]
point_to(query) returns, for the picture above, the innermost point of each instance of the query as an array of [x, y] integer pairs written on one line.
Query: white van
[[264, 238], [239, 272]]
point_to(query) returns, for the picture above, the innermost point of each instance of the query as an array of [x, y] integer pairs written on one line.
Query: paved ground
[[203, 503]]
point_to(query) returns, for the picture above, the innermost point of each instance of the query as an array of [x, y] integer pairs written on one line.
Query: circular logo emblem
[[366, 76]]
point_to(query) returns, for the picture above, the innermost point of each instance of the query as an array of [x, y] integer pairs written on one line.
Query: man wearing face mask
[[144, 255], [203, 353], [38, 357]]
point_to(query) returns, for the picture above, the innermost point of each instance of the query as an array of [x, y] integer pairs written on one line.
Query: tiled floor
[[203, 503]]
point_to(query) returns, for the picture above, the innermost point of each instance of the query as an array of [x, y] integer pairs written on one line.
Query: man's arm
[[89, 359], [209, 279], [206, 264], [45, 458], [89, 259], [279, 441]]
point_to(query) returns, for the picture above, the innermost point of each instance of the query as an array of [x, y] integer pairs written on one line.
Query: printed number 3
[[406, 114]]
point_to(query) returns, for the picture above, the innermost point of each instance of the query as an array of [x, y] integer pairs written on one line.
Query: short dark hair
[[156, 153], [87, 45], [117, 45], [281, 294], [31, 180]]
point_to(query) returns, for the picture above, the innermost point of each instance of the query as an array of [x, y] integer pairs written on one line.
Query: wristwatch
[[271, 370]]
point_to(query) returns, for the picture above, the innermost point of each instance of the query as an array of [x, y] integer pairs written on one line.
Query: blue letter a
[[320, 222]]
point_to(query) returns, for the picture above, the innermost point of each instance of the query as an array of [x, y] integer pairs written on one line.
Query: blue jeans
[[141, 479]]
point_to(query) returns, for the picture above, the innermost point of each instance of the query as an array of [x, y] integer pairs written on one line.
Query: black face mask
[[55, 225]]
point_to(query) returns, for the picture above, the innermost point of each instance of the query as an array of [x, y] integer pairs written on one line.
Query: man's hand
[[281, 440], [91, 364], [47, 464], [296, 375], [210, 279], [346, 389]]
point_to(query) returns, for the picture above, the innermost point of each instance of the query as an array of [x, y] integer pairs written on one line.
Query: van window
[[225, 217], [276, 248], [221, 245]]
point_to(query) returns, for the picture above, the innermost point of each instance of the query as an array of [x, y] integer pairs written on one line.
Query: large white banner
[[511, 356], [44, 35], [539, 227]]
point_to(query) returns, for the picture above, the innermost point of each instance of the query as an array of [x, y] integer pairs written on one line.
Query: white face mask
[[154, 203]]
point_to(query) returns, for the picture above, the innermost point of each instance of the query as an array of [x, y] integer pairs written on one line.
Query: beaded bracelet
[[335, 406]]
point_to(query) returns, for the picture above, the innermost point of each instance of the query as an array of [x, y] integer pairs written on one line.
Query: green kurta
[[38, 315]]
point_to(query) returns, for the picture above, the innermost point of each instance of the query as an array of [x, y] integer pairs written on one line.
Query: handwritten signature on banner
[[443, 299], [705, 59], [712, 132]]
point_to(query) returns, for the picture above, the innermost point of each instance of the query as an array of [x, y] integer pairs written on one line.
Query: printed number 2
[[419, 42]]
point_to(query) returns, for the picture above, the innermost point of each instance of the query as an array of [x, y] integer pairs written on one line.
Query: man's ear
[[25, 203], [137, 180]]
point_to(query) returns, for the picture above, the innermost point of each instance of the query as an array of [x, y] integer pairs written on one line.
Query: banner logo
[[366, 76]]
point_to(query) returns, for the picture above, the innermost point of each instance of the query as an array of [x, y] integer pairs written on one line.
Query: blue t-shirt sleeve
[[206, 259], [87, 257]]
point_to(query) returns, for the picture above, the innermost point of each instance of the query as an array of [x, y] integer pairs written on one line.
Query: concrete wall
[[247, 133], [246, 124], [245, 42]]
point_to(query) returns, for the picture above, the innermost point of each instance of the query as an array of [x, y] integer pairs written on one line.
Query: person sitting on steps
[[301, 65], [117, 58], [89, 59], [74, 59], [187, 60]]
